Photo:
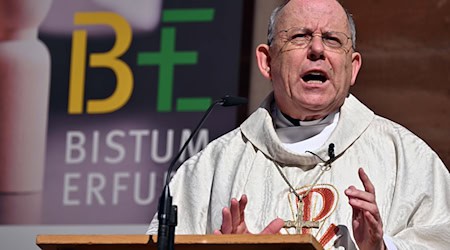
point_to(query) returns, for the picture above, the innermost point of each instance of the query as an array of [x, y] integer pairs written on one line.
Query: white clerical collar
[[309, 135]]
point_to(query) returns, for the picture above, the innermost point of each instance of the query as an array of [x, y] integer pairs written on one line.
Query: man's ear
[[356, 65], [263, 59]]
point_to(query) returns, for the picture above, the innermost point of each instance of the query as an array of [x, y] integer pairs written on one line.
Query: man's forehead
[[316, 14]]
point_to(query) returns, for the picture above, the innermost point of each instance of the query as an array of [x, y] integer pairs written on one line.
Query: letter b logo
[[109, 59]]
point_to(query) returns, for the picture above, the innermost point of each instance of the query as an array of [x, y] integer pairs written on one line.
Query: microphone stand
[[167, 212]]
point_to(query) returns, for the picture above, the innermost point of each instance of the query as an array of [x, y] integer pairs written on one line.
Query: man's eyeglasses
[[302, 37]]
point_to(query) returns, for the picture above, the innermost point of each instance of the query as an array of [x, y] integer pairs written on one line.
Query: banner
[[97, 104]]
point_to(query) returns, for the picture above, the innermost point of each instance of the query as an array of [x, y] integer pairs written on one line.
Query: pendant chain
[[299, 223], [324, 166]]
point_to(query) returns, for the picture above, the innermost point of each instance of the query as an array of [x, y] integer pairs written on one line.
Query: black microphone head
[[232, 101], [331, 150]]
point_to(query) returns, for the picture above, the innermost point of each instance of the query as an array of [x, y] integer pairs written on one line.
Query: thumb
[[274, 227]]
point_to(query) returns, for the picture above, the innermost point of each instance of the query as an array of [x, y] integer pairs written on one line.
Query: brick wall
[[406, 65]]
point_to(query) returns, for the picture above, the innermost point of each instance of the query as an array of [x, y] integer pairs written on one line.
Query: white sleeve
[[389, 243]]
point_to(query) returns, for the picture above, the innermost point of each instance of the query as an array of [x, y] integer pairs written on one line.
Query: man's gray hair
[[276, 12]]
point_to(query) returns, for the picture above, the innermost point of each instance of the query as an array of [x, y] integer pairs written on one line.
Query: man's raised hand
[[233, 220], [366, 219]]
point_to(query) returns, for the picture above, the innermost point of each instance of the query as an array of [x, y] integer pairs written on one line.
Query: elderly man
[[313, 159]]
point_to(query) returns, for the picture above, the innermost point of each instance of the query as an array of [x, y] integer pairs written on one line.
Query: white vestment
[[412, 184]]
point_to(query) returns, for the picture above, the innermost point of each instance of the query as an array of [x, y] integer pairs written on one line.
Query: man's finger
[[235, 214], [226, 227], [242, 205], [274, 227], [373, 221], [365, 206], [353, 193], [368, 186]]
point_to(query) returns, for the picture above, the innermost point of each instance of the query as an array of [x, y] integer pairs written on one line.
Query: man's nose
[[316, 48]]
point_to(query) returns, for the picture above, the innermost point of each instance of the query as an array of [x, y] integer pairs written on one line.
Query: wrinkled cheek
[[279, 75], [280, 89]]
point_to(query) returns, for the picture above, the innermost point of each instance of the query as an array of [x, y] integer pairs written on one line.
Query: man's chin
[[320, 108], [316, 104]]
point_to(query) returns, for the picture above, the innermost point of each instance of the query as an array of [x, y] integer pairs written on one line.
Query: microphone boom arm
[[167, 212]]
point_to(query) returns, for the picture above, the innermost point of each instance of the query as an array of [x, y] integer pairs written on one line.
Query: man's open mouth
[[315, 77]]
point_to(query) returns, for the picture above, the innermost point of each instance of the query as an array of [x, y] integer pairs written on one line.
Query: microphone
[[331, 151], [228, 101], [167, 213]]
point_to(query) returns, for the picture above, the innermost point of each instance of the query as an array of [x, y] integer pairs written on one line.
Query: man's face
[[311, 82]]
